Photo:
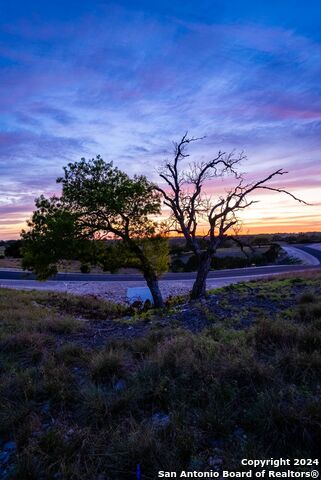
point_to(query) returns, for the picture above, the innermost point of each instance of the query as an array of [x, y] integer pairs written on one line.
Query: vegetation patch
[[233, 376]]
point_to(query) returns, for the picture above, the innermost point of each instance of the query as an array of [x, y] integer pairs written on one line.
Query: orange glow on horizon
[[274, 213], [14, 232]]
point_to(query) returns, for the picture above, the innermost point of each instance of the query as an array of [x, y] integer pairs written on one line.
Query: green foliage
[[118, 254], [53, 234], [157, 251], [85, 268], [260, 240], [13, 249], [177, 265], [104, 198], [272, 253], [229, 261], [192, 264], [97, 200]]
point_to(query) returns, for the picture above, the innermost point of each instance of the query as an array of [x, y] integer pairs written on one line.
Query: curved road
[[315, 252], [235, 272]]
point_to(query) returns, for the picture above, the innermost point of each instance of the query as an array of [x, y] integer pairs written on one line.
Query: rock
[[120, 385], [10, 446], [215, 462], [196, 464], [45, 407], [4, 457], [217, 451], [240, 433], [216, 443], [161, 419]]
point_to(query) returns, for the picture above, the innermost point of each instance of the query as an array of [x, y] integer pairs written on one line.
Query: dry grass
[[66, 266], [8, 262], [86, 413], [313, 274]]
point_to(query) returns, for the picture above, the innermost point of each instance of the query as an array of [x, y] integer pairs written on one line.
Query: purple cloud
[[124, 83]]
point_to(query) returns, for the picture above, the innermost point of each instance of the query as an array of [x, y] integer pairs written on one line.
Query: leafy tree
[[53, 235], [98, 201], [117, 255], [13, 249], [261, 240], [157, 251], [189, 205]]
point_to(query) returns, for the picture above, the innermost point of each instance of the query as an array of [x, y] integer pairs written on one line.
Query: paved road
[[83, 277], [235, 272], [315, 252], [305, 257]]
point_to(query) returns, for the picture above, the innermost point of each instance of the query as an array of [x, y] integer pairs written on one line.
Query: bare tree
[[190, 206]]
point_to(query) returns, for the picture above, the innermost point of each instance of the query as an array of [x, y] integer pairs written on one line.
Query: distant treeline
[[177, 245], [229, 261], [12, 248]]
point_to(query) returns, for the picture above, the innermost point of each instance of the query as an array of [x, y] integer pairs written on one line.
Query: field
[[66, 266], [89, 390], [9, 262]]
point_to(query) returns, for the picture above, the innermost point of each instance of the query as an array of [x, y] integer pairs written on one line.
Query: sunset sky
[[124, 79]]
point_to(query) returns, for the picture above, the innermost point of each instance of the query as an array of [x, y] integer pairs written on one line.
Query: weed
[[71, 354], [107, 364]]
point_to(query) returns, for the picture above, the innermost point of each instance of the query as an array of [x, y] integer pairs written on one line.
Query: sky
[[125, 79]]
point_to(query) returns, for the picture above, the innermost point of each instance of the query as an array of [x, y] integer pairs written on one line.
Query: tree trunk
[[199, 286], [153, 286], [148, 272]]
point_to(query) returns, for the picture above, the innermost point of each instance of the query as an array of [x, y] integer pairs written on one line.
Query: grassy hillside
[[86, 396]]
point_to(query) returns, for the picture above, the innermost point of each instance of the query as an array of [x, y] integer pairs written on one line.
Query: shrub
[[177, 265], [71, 353], [275, 334], [107, 364], [309, 312], [60, 325], [85, 268], [300, 366], [58, 383], [191, 264], [13, 249], [87, 306], [272, 253], [229, 261], [307, 298], [25, 346]]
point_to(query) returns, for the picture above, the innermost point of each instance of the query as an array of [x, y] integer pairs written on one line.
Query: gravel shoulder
[[117, 291]]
